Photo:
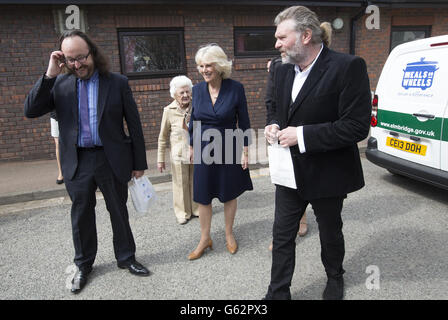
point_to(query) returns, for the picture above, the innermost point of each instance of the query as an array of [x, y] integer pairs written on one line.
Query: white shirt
[[299, 80]]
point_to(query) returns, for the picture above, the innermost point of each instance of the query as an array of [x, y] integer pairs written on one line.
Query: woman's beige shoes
[[232, 249], [194, 256]]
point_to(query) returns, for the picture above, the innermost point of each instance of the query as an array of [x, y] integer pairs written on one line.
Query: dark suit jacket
[[334, 107], [115, 103], [269, 97]]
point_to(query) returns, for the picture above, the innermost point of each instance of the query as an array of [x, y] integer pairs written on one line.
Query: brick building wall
[[27, 36]]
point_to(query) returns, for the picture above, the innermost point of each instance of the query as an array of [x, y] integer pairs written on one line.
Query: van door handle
[[392, 133], [423, 115], [414, 138]]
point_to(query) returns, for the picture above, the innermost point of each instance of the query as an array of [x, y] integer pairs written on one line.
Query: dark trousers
[[94, 171], [289, 209]]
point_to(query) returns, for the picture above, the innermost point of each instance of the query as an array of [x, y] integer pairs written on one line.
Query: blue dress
[[217, 163]]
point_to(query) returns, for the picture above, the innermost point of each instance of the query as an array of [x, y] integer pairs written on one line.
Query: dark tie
[[86, 135]]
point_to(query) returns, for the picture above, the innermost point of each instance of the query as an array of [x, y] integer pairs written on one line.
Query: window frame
[[253, 54], [121, 32], [425, 28]]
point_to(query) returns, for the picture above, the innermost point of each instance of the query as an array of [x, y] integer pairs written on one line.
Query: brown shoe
[[194, 256], [232, 249], [303, 229]]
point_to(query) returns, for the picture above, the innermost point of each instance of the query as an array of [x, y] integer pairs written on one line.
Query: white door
[[412, 98], [444, 144]]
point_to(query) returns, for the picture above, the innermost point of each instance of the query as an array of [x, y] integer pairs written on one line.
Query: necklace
[[305, 67], [214, 93]]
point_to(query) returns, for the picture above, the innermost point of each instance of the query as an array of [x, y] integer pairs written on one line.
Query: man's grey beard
[[296, 55]]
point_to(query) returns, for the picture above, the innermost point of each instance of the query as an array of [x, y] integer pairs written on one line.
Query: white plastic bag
[[280, 166], [142, 193]]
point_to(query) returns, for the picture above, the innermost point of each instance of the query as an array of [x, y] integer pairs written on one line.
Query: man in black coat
[[91, 103], [320, 110]]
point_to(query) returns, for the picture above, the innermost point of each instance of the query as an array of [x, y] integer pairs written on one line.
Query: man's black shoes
[[334, 289], [135, 268], [80, 280], [81, 276]]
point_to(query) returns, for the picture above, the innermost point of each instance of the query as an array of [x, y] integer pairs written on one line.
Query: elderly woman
[[220, 163], [174, 128]]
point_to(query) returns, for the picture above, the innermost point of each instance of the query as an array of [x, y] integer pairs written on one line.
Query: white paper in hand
[[281, 167], [142, 193]]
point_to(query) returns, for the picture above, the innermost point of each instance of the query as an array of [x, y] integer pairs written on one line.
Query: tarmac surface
[[394, 229]]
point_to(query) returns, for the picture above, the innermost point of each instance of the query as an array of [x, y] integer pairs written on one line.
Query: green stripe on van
[[445, 130], [407, 123]]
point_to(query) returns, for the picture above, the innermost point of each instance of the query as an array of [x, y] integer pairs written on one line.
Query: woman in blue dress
[[219, 137]]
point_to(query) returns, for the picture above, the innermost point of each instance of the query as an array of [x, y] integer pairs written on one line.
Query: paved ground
[[34, 180], [394, 228]]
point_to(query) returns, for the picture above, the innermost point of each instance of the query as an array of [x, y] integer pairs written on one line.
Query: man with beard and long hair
[[91, 104], [320, 109]]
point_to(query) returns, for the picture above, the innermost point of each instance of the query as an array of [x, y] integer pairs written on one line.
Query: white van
[[409, 129]]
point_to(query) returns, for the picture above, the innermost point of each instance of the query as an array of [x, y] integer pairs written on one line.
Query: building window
[[254, 41], [405, 34], [152, 53]]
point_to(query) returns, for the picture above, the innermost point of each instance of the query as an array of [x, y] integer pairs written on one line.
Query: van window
[[399, 35]]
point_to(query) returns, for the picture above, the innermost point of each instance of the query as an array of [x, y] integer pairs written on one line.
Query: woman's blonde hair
[[212, 53]]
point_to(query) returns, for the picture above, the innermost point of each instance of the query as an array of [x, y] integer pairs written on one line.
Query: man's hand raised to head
[[56, 64]]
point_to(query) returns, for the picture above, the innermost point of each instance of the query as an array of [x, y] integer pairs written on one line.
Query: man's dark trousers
[[94, 171], [288, 211]]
